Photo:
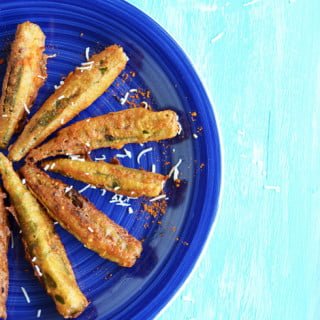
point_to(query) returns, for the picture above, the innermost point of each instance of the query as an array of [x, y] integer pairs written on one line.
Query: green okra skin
[[25, 74], [4, 243], [113, 177], [43, 246], [80, 89]]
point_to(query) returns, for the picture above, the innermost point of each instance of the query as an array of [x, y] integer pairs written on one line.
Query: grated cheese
[[87, 64], [133, 90], [57, 87], [145, 104], [41, 77], [128, 153], [195, 136], [84, 68], [23, 181], [38, 270], [121, 155], [153, 168], [90, 229], [4, 116], [76, 157], [68, 189], [116, 188], [51, 55], [103, 157], [34, 259], [124, 99], [26, 108], [39, 313], [46, 167], [120, 200], [53, 165], [87, 53], [142, 153], [174, 170], [130, 210], [25, 293], [85, 188], [103, 192], [162, 196], [61, 97]]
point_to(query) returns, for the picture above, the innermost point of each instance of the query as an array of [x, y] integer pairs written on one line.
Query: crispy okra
[[80, 89], [111, 130], [43, 246], [4, 272], [109, 176], [25, 74], [82, 219]]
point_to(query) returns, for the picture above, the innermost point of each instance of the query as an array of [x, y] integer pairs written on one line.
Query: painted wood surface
[[260, 62]]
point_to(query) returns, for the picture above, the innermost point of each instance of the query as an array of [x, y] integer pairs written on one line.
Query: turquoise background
[[260, 63]]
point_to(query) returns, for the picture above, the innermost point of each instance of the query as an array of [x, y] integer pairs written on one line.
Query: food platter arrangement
[[109, 163]]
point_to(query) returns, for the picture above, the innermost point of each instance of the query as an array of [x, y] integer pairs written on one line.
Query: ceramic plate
[[172, 241]]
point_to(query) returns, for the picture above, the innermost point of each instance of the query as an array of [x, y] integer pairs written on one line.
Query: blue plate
[[173, 241]]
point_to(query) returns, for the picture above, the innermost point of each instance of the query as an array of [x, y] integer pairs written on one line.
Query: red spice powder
[[155, 208]]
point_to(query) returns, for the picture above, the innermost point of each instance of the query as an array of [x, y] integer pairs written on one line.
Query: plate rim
[[167, 301]]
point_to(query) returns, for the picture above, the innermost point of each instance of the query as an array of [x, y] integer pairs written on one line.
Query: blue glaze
[[142, 291]]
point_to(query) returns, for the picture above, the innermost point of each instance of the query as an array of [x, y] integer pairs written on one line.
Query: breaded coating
[[4, 272], [82, 219], [109, 176], [26, 73], [43, 246], [80, 89], [111, 130]]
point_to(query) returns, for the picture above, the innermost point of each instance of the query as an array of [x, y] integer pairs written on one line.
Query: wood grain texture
[[260, 61]]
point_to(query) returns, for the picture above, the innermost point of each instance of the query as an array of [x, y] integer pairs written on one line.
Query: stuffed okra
[[109, 176], [26, 73], [111, 130], [43, 246], [4, 273], [81, 88], [82, 219]]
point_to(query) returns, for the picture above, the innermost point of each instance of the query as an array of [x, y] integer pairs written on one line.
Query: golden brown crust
[[111, 130], [113, 177], [25, 74], [80, 89], [81, 218], [43, 246], [4, 272]]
